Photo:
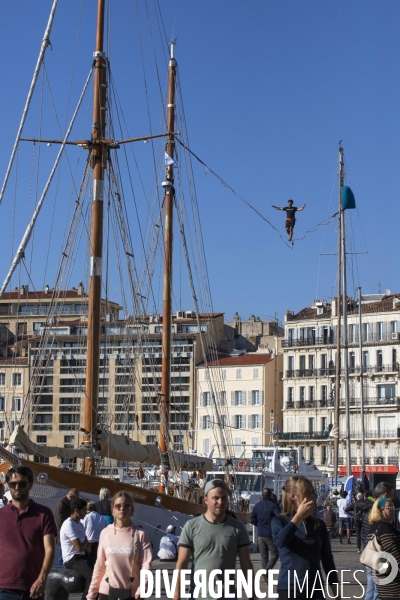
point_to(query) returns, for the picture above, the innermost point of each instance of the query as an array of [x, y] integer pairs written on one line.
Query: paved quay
[[347, 561]]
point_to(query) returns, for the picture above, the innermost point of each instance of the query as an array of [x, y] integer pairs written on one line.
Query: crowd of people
[[100, 542]]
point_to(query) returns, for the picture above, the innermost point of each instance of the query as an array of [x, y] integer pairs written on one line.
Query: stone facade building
[[310, 356], [248, 393]]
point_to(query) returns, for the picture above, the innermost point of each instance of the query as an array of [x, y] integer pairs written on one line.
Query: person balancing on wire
[[290, 216]]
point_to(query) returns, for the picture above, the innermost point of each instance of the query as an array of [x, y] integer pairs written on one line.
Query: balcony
[[310, 341], [326, 372], [304, 435], [387, 402]]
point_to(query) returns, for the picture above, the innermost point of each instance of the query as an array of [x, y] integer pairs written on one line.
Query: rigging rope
[[225, 184]]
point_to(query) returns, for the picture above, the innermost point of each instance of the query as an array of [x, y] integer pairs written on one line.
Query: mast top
[[171, 49]]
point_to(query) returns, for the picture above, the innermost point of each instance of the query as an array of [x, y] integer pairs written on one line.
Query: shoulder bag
[[369, 556], [125, 593]]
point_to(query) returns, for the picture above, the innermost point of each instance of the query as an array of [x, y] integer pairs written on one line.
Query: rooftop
[[370, 303]]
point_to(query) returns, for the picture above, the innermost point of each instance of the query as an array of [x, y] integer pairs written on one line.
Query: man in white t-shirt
[[169, 545], [344, 517], [75, 547]]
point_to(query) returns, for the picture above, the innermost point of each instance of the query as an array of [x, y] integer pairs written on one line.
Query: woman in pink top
[[114, 557]]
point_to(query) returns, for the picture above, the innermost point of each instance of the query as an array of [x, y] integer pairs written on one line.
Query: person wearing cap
[[214, 539], [169, 545]]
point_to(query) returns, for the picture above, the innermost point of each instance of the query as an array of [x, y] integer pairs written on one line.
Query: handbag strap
[[135, 553]]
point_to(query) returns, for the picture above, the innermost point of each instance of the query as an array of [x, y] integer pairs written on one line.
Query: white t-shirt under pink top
[[114, 561]]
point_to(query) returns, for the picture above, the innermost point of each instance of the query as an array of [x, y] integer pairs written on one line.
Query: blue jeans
[[372, 592], [16, 595]]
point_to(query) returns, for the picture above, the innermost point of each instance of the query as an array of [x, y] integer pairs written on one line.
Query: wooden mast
[[98, 159], [335, 430], [169, 193]]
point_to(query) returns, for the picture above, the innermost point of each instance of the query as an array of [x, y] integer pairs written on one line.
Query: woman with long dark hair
[[123, 551], [303, 544]]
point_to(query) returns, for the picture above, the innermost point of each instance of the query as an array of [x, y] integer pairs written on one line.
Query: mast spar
[[98, 161], [335, 429], [169, 193]]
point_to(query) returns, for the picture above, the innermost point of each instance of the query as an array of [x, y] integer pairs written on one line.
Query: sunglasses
[[20, 484], [121, 506]]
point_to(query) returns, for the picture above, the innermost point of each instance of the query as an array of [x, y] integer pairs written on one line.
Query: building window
[[240, 421], [41, 439], [207, 422], [222, 398], [311, 393], [44, 460], [223, 421], [206, 399], [223, 373], [2, 379], [256, 397], [257, 421], [324, 363], [311, 424], [290, 394], [16, 379], [290, 365], [393, 326], [324, 455], [238, 445], [255, 441], [238, 373], [150, 439], [365, 359], [206, 375], [351, 333], [239, 398], [324, 393], [69, 441], [302, 452], [312, 453], [16, 404], [256, 373], [324, 424], [380, 331], [302, 393], [206, 446]]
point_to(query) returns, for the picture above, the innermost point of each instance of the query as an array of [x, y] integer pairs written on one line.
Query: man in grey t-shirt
[[214, 539]]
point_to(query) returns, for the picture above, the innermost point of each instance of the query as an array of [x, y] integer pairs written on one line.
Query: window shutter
[[202, 398], [261, 421], [261, 397], [250, 422], [201, 423], [219, 398], [250, 398], [233, 398], [244, 397], [233, 422]]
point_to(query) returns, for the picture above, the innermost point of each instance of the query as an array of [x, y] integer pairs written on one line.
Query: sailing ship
[[154, 507]]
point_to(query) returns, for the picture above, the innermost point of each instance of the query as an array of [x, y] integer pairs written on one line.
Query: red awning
[[356, 469]]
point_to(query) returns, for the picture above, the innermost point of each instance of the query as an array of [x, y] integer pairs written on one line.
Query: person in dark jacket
[[303, 543], [63, 510], [103, 505], [329, 519], [354, 509], [262, 515]]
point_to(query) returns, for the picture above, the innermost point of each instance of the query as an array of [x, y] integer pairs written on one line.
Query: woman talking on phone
[[123, 551], [303, 544]]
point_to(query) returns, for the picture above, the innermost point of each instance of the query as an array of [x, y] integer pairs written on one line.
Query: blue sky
[[269, 90]]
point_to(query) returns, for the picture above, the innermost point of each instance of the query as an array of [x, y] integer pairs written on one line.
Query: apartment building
[[25, 311], [129, 384], [247, 391], [310, 356]]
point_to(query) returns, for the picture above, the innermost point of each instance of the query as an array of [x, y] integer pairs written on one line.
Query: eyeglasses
[[20, 484], [121, 506]]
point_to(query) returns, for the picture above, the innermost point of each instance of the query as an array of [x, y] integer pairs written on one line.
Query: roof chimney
[[46, 289], [81, 289]]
